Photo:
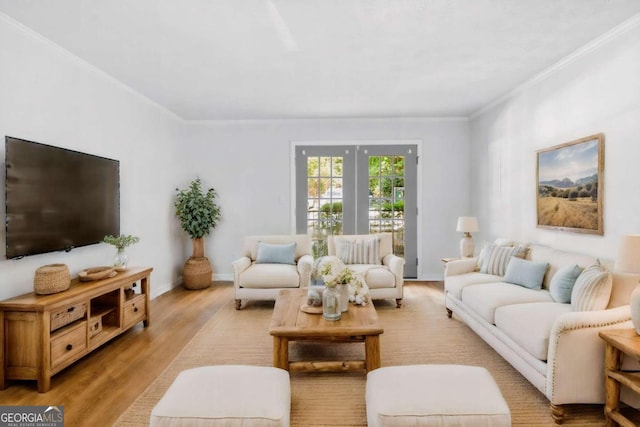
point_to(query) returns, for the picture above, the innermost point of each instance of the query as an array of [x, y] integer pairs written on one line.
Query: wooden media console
[[43, 334]]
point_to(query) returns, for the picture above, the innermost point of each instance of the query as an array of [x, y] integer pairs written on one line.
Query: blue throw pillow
[[562, 283], [525, 273], [269, 253]]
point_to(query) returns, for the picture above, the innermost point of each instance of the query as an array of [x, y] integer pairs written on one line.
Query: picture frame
[[570, 184]]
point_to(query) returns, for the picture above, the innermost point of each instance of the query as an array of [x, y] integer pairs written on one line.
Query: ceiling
[[288, 59]]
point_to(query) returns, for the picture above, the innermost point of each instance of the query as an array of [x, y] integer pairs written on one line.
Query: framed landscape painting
[[569, 185]]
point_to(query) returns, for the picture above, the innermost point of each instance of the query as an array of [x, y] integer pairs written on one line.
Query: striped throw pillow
[[360, 251], [484, 252], [592, 289], [496, 258]]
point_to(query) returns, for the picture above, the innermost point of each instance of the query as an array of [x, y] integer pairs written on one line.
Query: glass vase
[[331, 303], [314, 293], [343, 289], [121, 260]]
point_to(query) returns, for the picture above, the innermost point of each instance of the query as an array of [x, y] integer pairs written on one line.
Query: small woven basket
[[52, 278], [197, 273]]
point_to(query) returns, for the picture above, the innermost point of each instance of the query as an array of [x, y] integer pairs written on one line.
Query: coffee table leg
[[372, 352], [281, 352]]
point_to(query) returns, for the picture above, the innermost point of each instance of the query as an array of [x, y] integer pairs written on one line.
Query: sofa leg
[[238, 304], [449, 313], [557, 413], [398, 302]]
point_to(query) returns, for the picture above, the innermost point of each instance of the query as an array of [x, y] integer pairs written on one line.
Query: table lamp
[[467, 225], [629, 262]]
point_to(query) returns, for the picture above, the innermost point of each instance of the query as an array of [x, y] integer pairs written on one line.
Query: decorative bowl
[[96, 273]]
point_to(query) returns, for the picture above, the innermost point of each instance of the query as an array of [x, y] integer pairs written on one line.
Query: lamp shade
[[629, 257], [467, 224]]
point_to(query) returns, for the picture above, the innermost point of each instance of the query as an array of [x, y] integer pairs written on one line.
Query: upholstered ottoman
[[226, 395], [434, 395]]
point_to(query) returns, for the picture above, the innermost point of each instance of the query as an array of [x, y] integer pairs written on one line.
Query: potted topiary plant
[[198, 214]]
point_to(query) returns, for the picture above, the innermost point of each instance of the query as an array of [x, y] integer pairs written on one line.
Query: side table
[[619, 342]]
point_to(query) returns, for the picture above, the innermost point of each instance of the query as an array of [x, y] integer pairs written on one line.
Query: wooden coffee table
[[289, 323]]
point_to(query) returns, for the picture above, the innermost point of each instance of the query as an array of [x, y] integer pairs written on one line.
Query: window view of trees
[[386, 198], [325, 199]]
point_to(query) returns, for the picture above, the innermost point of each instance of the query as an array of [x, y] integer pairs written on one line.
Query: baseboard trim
[[156, 291]]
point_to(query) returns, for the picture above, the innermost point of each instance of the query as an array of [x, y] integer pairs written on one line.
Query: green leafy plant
[[197, 209], [121, 241]]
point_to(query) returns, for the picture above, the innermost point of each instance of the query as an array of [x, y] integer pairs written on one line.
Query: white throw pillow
[[500, 241], [359, 251], [497, 258], [484, 252], [592, 289]]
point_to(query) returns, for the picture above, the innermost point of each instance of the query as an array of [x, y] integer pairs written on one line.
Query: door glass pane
[[324, 213], [374, 166], [386, 198], [313, 166], [336, 166], [398, 166]]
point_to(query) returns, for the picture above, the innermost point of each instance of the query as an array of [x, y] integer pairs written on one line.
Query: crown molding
[[84, 64], [611, 35]]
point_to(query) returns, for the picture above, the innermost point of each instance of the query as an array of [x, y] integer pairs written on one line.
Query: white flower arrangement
[[333, 272], [358, 290]]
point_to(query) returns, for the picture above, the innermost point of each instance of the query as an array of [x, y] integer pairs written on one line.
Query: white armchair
[[263, 281], [385, 278]]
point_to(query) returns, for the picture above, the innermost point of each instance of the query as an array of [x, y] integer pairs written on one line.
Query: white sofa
[[558, 350], [263, 281], [384, 279]]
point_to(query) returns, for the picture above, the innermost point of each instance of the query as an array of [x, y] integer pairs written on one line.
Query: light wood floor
[[96, 390]]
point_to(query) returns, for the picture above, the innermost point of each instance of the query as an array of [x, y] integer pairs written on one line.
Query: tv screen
[[57, 199]]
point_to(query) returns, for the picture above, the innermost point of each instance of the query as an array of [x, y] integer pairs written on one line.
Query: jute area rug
[[417, 333]]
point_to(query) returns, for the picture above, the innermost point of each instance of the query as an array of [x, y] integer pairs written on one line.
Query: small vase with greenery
[[121, 242], [199, 214]]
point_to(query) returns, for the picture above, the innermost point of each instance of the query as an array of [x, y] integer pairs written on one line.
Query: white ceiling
[[256, 59]]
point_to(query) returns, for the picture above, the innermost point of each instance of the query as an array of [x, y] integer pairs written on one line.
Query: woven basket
[[197, 273], [52, 278]]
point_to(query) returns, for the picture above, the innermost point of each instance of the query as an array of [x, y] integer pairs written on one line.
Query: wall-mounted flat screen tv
[[57, 199]]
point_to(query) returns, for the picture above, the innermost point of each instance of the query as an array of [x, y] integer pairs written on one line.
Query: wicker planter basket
[[197, 273], [52, 278]]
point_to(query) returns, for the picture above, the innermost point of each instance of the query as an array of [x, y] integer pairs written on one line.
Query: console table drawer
[[134, 310], [68, 343], [67, 315]]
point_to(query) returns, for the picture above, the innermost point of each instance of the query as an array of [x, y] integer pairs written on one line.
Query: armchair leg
[[557, 413], [398, 302], [238, 304], [449, 313]]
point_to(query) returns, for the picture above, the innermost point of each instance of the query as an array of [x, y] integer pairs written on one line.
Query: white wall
[[596, 91], [49, 96], [249, 163]]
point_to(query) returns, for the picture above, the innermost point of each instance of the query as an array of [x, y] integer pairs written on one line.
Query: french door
[[362, 189]]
